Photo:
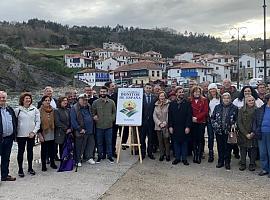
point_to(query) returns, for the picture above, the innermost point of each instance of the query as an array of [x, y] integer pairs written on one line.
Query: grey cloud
[[207, 16]]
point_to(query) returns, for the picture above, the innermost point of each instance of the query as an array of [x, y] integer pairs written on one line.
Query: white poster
[[129, 107]]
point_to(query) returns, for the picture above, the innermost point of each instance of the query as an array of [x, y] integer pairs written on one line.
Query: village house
[[182, 72], [107, 64], [114, 46], [152, 54], [138, 73], [93, 77], [187, 56]]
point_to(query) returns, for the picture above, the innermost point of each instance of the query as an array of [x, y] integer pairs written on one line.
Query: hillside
[[16, 75]]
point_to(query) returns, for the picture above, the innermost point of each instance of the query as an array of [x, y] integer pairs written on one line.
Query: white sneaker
[[79, 164], [91, 161]]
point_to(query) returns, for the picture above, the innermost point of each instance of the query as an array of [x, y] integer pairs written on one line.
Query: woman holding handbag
[[28, 117], [46, 135], [223, 119], [160, 117], [246, 140]]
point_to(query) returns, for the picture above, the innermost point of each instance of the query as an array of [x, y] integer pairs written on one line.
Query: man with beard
[[104, 112], [179, 123]]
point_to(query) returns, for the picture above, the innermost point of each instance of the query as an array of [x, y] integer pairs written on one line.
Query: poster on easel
[[129, 107]]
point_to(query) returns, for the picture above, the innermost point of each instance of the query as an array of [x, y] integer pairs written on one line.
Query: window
[[158, 74], [248, 63], [219, 60], [217, 68], [177, 71], [226, 60], [142, 82], [203, 79], [153, 73], [226, 76], [241, 64]]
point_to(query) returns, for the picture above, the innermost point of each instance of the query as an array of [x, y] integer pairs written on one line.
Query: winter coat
[[216, 118], [179, 118], [257, 122], [160, 115], [62, 124], [28, 120], [200, 109], [244, 124]]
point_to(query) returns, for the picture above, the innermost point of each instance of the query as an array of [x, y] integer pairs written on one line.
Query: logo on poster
[[129, 108]]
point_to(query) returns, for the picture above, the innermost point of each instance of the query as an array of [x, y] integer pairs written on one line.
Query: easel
[[131, 141]]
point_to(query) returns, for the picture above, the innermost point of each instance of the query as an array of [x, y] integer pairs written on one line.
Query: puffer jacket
[[161, 114]]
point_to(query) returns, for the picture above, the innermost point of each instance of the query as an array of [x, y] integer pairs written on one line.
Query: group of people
[[174, 120]]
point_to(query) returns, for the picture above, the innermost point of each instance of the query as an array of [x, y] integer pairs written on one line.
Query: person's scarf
[[47, 118]]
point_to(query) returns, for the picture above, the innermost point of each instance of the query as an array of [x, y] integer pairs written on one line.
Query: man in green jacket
[[104, 112]]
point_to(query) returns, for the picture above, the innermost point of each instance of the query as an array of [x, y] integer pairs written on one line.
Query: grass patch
[[54, 53]]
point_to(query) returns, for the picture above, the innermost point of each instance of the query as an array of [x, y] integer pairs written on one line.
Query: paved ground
[[131, 180], [156, 180], [90, 182]]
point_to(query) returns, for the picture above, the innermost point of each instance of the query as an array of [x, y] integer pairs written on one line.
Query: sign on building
[[129, 107]]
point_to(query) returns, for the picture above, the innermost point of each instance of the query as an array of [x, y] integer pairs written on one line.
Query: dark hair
[[23, 95], [148, 84], [104, 88], [59, 101], [107, 84], [45, 97], [253, 93], [259, 84]]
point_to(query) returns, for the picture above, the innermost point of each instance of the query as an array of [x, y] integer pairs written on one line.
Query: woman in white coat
[[28, 125]]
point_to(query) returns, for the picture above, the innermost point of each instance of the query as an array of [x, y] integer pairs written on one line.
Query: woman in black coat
[[179, 121], [62, 122]]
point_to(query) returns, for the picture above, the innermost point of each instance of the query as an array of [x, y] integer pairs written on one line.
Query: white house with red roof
[[93, 77]]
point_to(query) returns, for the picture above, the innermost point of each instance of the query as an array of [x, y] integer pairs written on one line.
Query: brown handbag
[[232, 135]]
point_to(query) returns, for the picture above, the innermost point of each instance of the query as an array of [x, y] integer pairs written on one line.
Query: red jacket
[[200, 109]]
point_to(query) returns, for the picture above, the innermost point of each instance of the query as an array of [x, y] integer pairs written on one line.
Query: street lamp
[[239, 32], [264, 41]]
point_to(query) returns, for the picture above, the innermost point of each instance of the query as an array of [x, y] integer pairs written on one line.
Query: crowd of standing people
[[175, 122]]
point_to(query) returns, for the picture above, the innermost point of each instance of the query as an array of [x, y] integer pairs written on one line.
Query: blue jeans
[[6, 147], [211, 136], [104, 135], [180, 149], [264, 147]]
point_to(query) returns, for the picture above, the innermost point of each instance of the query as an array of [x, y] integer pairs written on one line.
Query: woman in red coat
[[199, 106]]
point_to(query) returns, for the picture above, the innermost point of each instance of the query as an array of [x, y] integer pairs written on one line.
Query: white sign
[[129, 107]]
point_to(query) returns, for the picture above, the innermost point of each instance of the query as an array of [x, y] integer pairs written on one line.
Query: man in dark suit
[[147, 128]]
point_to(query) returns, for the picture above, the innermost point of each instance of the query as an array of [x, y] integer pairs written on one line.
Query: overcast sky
[[214, 17]]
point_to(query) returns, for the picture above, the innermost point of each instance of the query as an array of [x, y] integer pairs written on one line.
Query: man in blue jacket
[[8, 129]]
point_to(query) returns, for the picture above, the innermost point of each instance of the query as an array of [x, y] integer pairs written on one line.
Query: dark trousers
[[164, 144], [5, 149], [84, 146], [114, 137], [101, 135], [125, 134], [47, 151], [29, 142], [197, 133], [180, 149], [146, 131], [224, 149], [211, 137], [252, 152], [264, 148]]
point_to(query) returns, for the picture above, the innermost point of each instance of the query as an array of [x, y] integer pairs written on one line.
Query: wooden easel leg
[[120, 145], [139, 144], [130, 139]]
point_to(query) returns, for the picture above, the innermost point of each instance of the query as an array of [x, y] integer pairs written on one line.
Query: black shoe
[[31, 172], [251, 167], [21, 173], [124, 147], [185, 162], [168, 158], [44, 168], [263, 173], [242, 167], [227, 166], [53, 166], [199, 160], [175, 162], [151, 156], [111, 160], [48, 161], [98, 160], [161, 158], [219, 165], [237, 156]]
